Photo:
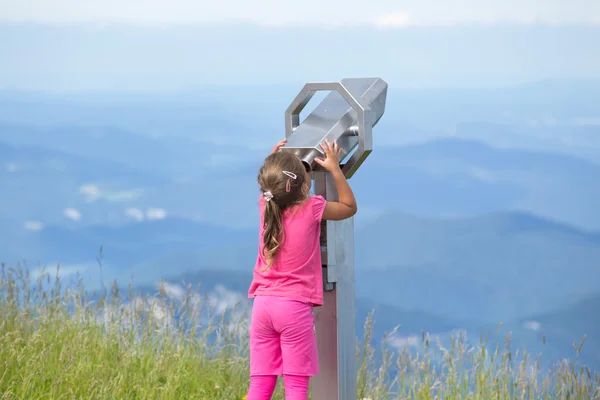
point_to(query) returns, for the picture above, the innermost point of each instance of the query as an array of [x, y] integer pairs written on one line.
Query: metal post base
[[335, 321], [325, 385]]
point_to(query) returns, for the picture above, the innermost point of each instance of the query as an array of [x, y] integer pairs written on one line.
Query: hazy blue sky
[[307, 12], [182, 44]]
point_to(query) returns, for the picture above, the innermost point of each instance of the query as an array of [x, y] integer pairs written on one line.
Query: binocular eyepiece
[[348, 115]]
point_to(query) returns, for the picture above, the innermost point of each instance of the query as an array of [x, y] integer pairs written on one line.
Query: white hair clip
[[268, 195], [290, 174]]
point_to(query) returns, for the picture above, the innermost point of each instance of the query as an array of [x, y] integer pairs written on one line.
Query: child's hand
[[332, 152], [278, 146]]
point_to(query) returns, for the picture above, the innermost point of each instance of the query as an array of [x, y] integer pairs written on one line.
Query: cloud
[[219, 300], [135, 213], [222, 299], [34, 226], [62, 271], [322, 13], [176, 292], [156, 213], [482, 174], [124, 195], [12, 167], [91, 192], [393, 20], [532, 325], [72, 213], [400, 342], [405, 341], [125, 316]]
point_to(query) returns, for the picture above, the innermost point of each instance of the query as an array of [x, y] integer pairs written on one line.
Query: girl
[[287, 280]]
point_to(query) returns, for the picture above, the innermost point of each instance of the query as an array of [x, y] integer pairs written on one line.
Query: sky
[[328, 13], [172, 45]]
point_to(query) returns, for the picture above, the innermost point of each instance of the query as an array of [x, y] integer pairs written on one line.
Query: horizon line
[[99, 24], [198, 87]]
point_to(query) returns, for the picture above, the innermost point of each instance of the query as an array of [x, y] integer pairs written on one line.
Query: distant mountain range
[[486, 266], [457, 177], [214, 182], [452, 232], [493, 267], [563, 331], [423, 274]]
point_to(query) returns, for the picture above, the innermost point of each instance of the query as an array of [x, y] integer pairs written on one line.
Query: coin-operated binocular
[[348, 115]]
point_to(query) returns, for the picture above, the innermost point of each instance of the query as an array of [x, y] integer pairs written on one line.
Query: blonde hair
[[285, 191]]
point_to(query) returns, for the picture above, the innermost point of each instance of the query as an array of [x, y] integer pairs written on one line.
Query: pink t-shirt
[[296, 270]]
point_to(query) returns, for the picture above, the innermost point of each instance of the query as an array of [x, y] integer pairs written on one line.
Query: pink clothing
[[263, 386], [282, 337], [296, 271], [282, 331]]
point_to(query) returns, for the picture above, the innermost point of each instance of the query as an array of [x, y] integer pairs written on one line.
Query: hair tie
[[268, 195], [291, 175]]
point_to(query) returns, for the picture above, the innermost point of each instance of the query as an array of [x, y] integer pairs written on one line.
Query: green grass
[[57, 344]]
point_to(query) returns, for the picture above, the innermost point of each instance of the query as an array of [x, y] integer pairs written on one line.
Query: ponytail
[[284, 183], [273, 231]]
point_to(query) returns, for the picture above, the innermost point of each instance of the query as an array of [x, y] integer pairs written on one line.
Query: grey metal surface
[[325, 385], [336, 320], [348, 115]]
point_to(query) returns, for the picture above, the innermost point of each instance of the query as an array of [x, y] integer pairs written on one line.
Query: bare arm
[[346, 206]]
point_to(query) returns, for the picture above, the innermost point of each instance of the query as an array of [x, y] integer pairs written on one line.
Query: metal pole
[[348, 115], [335, 320]]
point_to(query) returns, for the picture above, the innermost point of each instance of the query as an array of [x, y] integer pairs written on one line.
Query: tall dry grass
[[60, 342]]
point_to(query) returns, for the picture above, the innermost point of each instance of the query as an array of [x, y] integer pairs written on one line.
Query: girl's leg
[[296, 387], [262, 387], [295, 321], [265, 352]]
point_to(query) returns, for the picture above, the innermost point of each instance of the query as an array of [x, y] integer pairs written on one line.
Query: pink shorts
[[282, 337]]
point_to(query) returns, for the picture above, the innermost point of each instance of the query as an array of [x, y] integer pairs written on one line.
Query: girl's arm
[[346, 206], [278, 146]]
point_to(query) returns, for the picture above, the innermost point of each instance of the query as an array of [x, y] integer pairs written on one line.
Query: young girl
[[287, 280]]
